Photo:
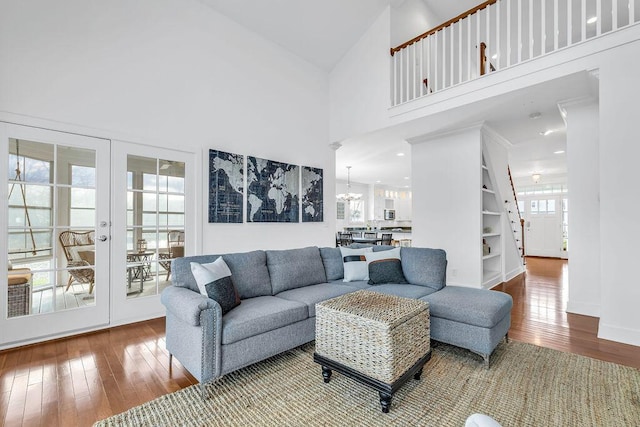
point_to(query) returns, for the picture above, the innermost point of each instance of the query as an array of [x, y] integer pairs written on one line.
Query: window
[[30, 212], [82, 211], [543, 207], [155, 207], [356, 210]]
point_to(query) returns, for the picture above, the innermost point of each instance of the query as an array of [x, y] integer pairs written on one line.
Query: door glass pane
[[155, 223], [551, 206], [50, 227], [542, 206]]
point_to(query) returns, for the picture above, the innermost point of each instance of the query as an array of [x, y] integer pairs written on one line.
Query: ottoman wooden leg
[[417, 375], [326, 374], [385, 401]]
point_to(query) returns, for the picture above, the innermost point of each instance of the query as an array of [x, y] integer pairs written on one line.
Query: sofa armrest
[[194, 331], [185, 304]]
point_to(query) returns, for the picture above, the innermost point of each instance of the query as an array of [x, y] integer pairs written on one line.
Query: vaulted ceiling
[[321, 32]]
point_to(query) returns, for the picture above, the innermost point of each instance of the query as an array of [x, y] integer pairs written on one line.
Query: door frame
[[35, 328]]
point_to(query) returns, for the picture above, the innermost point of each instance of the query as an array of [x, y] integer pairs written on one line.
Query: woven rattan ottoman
[[379, 340]]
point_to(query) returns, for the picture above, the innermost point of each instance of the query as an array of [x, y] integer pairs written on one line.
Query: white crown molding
[[431, 136]]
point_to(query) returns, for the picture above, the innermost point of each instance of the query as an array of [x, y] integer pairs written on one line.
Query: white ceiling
[[320, 32], [373, 157]]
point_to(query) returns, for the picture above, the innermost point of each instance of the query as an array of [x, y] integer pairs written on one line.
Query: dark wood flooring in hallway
[[79, 380]]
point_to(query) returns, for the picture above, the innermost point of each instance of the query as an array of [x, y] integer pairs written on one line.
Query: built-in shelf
[[491, 229]]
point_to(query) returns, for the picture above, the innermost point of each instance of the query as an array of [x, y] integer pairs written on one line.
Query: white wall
[[619, 152], [446, 176], [360, 84], [172, 73], [410, 19], [584, 206]]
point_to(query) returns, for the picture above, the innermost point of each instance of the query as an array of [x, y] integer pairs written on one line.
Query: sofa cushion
[[402, 290], [424, 267], [355, 263], [249, 273], [214, 281], [310, 295], [294, 268], [258, 315], [332, 261], [476, 307], [355, 284]]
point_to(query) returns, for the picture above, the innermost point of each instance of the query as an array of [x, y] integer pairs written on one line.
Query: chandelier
[[349, 196]]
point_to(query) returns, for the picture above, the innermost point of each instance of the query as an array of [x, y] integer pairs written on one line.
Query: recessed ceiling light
[[406, 177], [592, 20], [378, 182], [558, 152], [547, 132], [400, 154], [535, 115]]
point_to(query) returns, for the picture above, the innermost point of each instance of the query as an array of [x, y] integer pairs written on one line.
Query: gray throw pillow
[[214, 281], [386, 271]]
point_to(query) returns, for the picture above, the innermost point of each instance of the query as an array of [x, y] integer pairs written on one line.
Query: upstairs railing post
[[483, 58]]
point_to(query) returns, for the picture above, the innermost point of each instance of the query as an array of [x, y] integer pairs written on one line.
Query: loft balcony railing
[[496, 35]]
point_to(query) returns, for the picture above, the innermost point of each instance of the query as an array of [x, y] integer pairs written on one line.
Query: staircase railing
[[512, 32], [517, 208]]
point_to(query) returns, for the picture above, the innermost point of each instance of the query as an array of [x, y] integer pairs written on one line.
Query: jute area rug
[[526, 386]]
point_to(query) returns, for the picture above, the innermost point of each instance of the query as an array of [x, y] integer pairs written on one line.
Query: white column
[[584, 206], [448, 215]]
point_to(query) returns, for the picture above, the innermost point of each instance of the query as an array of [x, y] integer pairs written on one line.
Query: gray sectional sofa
[[279, 289]]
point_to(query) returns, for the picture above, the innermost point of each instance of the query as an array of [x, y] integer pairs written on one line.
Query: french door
[[56, 215], [152, 225]]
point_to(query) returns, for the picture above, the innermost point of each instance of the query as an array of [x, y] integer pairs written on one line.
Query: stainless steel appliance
[[389, 214]]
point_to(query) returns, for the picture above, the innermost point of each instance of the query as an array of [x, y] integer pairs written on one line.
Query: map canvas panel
[[312, 195], [226, 186], [272, 191]]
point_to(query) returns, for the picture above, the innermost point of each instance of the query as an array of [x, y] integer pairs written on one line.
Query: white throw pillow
[[214, 281], [355, 263]]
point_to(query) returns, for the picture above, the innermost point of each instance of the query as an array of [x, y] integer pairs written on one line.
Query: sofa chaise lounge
[[279, 289]]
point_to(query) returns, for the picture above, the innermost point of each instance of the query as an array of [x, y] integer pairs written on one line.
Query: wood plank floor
[[79, 380]]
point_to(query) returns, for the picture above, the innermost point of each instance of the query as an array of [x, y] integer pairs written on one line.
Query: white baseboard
[[618, 334], [513, 273], [584, 308]]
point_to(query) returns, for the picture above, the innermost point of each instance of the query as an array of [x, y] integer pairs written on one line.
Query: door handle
[[103, 238]]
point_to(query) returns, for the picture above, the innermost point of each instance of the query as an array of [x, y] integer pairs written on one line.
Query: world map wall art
[[272, 191], [312, 195], [226, 186]]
